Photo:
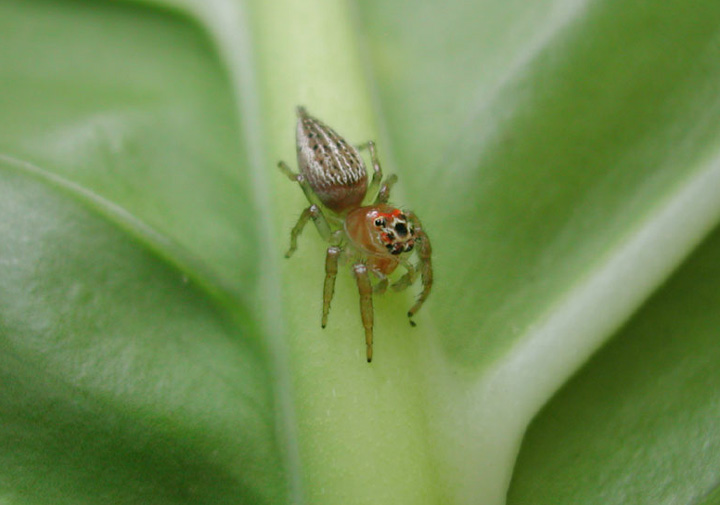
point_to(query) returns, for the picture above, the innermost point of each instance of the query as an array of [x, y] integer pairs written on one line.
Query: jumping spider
[[375, 238]]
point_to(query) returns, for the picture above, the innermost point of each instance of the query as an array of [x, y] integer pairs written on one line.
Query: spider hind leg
[[360, 271], [331, 268]]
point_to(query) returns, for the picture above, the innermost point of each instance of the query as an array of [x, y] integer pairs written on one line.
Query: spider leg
[[300, 179], [377, 170], [381, 286], [384, 194], [313, 212], [331, 268], [366, 306], [424, 250], [406, 280]]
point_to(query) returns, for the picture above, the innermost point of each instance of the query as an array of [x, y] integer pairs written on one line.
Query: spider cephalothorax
[[375, 238], [381, 227]]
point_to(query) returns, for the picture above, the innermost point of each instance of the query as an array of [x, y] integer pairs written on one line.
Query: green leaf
[[132, 370], [639, 423], [156, 348], [122, 381]]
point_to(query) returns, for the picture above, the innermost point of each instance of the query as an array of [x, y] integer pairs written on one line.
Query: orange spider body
[[382, 232], [375, 238]]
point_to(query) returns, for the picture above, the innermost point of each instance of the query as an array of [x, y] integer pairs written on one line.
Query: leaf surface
[[563, 157]]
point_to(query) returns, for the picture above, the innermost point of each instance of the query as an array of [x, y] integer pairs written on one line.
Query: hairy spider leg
[[300, 179], [377, 170], [406, 280], [384, 194], [382, 285], [313, 212], [331, 269], [366, 306], [424, 252]]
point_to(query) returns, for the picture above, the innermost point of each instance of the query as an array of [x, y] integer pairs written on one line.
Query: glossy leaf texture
[[646, 408], [130, 373], [157, 348]]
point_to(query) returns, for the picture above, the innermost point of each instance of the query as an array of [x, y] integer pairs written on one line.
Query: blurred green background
[[156, 348]]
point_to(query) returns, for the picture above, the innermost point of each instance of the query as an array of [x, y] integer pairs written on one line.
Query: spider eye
[[380, 222]]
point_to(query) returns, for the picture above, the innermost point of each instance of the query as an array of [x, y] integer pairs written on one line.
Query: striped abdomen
[[332, 167]]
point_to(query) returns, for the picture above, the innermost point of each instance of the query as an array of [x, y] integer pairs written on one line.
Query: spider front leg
[[382, 284], [406, 280], [331, 268], [424, 251], [360, 271]]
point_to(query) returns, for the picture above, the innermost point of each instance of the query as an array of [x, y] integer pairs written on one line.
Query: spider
[[375, 238]]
